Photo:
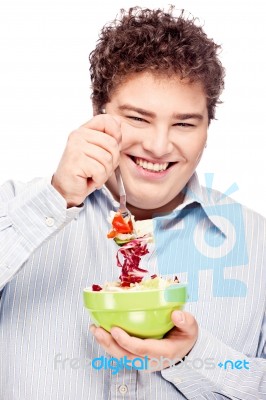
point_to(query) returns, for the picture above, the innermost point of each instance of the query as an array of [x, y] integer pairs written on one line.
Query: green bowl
[[144, 314]]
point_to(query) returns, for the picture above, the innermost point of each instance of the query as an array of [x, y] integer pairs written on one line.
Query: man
[[156, 80]]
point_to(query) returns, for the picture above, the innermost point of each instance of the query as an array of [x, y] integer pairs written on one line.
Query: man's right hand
[[90, 157]]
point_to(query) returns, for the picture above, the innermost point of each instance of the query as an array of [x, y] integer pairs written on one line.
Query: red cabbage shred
[[132, 253]]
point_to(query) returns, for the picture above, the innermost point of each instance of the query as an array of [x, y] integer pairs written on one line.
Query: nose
[[157, 141]]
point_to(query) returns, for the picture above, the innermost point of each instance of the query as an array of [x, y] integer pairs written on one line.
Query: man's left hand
[[175, 345]]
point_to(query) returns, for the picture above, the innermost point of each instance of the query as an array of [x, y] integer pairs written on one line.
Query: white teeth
[[150, 166]]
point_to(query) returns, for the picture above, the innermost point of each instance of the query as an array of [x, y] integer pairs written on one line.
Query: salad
[[132, 238]]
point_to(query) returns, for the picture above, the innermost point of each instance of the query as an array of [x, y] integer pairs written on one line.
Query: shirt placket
[[123, 385]]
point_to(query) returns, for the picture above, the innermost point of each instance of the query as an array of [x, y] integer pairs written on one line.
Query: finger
[[149, 363], [141, 347], [107, 124], [99, 146], [100, 155], [108, 343], [104, 143], [185, 322], [90, 168], [98, 138], [118, 120]]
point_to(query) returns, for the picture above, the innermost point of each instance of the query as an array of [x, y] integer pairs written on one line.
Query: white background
[[45, 87]]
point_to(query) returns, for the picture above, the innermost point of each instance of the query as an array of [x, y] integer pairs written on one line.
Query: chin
[[148, 203]]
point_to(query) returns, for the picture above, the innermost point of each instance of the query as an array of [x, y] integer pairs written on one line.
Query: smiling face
[[164, 130]]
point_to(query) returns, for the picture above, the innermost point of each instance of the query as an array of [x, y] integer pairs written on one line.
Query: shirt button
[[49, 221], [177, 380], [123, 389]]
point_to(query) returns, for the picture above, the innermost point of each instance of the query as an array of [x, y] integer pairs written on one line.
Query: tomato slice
[[112, 234], [120, 225]]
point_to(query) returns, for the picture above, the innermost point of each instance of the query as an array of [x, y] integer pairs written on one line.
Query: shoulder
[[219, 200], [12, 188]]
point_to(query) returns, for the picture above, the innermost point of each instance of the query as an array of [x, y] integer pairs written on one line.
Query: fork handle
[[120, 183]]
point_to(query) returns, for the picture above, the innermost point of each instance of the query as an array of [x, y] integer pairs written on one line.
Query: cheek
[[194, 147], [131, 143], [199, 155]]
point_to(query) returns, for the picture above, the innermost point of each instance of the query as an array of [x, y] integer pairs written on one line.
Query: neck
[[141, 214]]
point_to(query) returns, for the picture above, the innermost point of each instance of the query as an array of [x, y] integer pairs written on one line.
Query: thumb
[[117, 119], [185, 322], [179, 318]]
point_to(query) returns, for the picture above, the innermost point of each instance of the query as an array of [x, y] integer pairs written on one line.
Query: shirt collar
[[195, 193]]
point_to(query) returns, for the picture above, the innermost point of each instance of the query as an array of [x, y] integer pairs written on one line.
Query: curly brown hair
[[157, 41]]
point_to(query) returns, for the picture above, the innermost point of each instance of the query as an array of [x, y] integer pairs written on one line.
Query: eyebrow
[[182, 117]]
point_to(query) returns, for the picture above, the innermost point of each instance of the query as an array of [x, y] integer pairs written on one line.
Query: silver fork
[[122, 194]]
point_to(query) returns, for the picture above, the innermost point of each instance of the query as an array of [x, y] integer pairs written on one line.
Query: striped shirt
[[49, 254]]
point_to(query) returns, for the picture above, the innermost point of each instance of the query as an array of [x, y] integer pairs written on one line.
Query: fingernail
[[179, 316]]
